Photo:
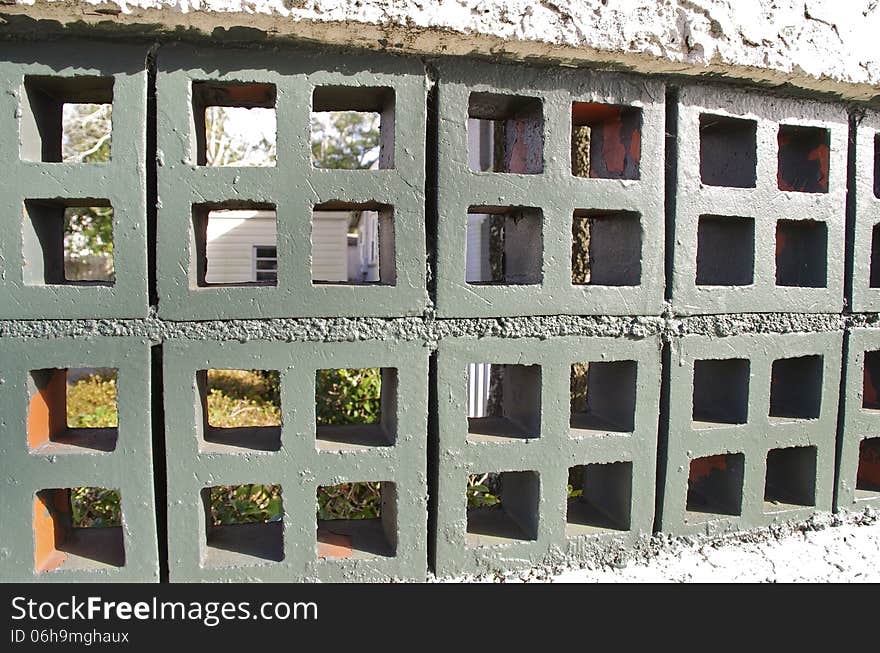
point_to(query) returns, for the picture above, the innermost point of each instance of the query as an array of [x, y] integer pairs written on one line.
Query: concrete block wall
[[771, 356]]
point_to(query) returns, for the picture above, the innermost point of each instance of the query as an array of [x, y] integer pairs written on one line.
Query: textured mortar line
[[431, 330]]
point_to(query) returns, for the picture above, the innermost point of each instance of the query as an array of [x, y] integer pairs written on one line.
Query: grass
[[91, 402], [243, 398]]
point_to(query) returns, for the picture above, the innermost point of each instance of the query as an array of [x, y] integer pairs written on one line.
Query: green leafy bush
[[95, 507], [348, 396], [350, 501], [245, 504], [243, 398], [483, 491]]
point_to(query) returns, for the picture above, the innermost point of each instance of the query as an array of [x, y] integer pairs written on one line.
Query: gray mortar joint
[[431, 330]]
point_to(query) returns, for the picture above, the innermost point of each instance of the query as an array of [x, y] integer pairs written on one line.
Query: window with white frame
[[265, 263]]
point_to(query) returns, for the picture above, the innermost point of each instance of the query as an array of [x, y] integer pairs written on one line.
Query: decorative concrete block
[[37, 80], [578, 156], [539, 442], [859, 478], [760, 203], [752, 423], [866, 242], [189, 79], [42, 460], [304, 458]]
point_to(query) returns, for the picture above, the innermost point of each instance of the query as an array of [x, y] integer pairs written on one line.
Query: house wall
[[330, 246], [232, 236]]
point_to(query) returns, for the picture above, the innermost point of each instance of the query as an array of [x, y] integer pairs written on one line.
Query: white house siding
[[330, 246], [480, 145], [477, 250], [368, 242], [480, 139], [231, 238]]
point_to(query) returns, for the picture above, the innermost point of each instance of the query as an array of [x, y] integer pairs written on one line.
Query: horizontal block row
[[550, 184], [545, 450]]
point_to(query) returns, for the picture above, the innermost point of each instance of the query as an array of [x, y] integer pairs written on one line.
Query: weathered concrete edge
[[647, 548], [429, 330], [45, 19]]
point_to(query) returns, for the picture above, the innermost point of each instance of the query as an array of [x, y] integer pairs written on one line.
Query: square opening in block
[[603, 397], [728, 151], [715, 486], [357, 520], [874, 276], [606, 140], [606, 248], [234, 124], [791, 479], [801, 253], [725, 251], [505, 246], [78, 528], [502, 508], [796, 388], [504, 402], [66, 119], [804, 155], [240, 410], [244, 525], [505, 133], [68, 242], [72, 410], [868, 475], [721, 392], [353, 244], [599, 498], [355, 408], [233, 244], [352, 127], [871, 381]]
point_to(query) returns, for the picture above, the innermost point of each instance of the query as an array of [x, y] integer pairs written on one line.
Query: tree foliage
[[86, 138], [227, 146], [86, 133], [345, 140]]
